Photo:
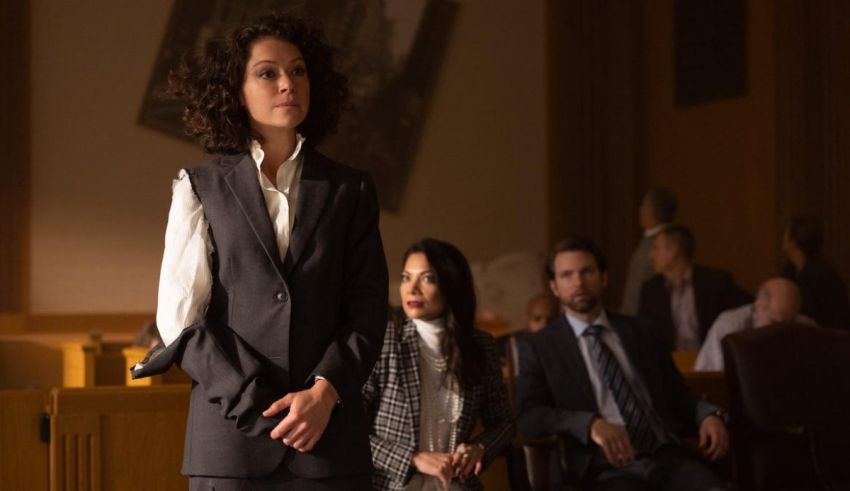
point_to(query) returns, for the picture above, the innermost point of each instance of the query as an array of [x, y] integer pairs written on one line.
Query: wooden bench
[[23, 455], [104, 438], [90, 439], [134, 354], [61, 360]]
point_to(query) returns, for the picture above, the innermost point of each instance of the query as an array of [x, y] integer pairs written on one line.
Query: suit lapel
[[567, 345], [700, 299], [410, 373], [244, 184], [631, 348], [313, 191]]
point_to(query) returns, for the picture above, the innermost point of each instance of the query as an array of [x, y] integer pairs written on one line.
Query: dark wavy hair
[[211, 79], [807, 232], [464, 356]]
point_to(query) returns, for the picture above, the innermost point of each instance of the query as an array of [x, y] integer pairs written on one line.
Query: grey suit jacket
[[391, 398], [555, 396], [273, 325]]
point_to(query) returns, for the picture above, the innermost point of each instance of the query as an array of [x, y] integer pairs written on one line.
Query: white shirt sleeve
[[185, 280], [710, 356]]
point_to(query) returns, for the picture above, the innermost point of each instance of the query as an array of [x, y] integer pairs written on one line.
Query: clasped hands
[[618, 450], [309, 413], [463, 462]]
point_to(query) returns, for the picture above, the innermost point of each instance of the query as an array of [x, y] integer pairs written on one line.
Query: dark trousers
[[668, 469], [281, 480]]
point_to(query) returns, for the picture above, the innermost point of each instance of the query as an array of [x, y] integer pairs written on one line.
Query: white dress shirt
[[185, 280], [710, 358]]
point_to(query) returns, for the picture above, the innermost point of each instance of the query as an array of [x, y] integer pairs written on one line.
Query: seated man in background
[[540, 311], [684, 298], [778, 300], [823, 292], [606, 385], [656, 211]]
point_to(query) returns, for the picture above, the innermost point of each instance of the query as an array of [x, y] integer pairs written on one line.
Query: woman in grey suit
[[273, 286], [436, 376]]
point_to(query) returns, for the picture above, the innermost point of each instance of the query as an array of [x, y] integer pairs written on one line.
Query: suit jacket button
[[281, 296]]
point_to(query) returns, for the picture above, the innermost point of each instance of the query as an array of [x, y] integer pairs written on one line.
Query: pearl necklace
[[445, 404]]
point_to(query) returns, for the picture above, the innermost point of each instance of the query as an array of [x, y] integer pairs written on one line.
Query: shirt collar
[[684, 282], [579, 325], [652, 232], [258, 155]]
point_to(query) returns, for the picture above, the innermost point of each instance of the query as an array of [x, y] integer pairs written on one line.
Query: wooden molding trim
[[12, 323], [104, 323], [15, 165]]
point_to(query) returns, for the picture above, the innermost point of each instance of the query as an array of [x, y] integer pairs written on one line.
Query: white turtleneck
[[439, 405], [431, 334]]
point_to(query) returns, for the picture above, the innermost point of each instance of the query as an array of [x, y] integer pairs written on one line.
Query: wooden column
[[14, 165], [595, 86], [813, 118]]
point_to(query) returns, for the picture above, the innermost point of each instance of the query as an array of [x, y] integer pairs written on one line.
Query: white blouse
[[185, 279]]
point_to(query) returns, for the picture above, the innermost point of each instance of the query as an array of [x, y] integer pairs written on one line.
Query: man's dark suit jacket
[[555, 396], [823, 293], [272, 325], [714, 292]]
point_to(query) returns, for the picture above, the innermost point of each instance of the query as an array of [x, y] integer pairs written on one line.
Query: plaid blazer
[[392, 396]]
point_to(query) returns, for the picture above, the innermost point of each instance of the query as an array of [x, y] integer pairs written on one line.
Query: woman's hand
[[435, 464], [467, 459], [309, 413]]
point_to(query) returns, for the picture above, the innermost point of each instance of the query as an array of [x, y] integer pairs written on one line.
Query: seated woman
[[436, 376]]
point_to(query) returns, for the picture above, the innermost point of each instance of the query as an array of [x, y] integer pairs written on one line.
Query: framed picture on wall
[[390, 50]]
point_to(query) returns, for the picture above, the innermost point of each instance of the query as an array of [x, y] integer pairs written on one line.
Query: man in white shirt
[[778, 300]]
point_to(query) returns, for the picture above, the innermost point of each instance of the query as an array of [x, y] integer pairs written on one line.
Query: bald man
[[540, 311], [778, 300]]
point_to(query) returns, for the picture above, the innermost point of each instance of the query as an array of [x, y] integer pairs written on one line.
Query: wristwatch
[[723, 415]]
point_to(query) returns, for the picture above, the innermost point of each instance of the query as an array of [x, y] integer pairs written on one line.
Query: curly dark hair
[[211, 79]]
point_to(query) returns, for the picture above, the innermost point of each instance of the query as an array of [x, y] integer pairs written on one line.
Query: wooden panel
[[135, 354], [28, 364], [66, 360], [11, 323], [710, 50], [710, 386], [14, 166], [595, 126], [76, 323], [78, 363], [118, 438], [23, 457], [685, 360], [75, 452], [813, 128]]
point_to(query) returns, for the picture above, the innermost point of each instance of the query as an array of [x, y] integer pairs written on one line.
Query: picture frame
[[390, 51]]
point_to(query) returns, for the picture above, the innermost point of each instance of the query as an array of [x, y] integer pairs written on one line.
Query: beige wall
[[720, 157], [101, 183]]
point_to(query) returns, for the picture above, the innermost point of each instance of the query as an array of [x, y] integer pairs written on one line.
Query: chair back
[[789, 396]]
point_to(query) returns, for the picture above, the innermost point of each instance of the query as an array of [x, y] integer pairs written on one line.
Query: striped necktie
[[638, 423]]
